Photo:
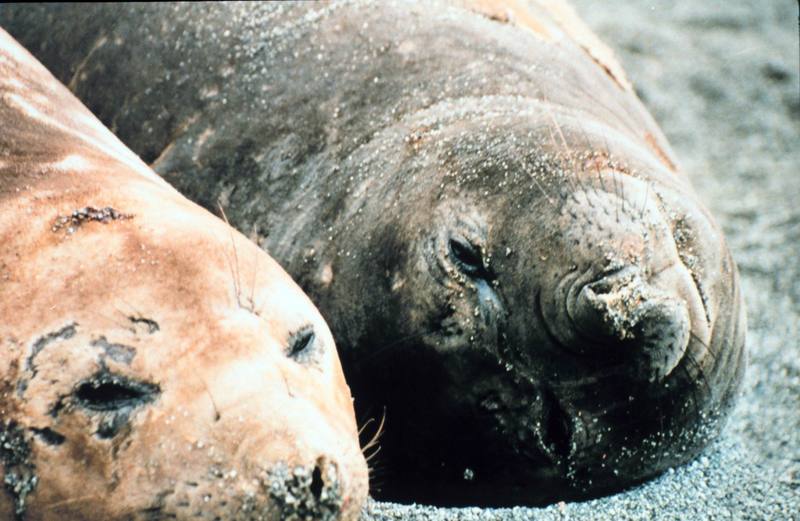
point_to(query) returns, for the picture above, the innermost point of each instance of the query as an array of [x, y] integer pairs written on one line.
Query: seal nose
[[308, 492], [624, 311]]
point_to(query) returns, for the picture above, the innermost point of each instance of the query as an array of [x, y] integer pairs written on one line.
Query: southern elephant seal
[[510, 259], [154, 363]]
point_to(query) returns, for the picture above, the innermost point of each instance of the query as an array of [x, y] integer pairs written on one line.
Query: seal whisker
[[596, 164], [696, 407], [579, 169], [532, 175], [567, 153], [234, 263], [254, 280], [396, 343], [364, 425], [217, 415], [707, 347], [64, 502], [111, 320], [700, 374], [691, 360], [286, 383], [646, 195], [583, 165], [134, 311], [377, 477], [614, 179], [597, 377], [370, 457], [375, 437]]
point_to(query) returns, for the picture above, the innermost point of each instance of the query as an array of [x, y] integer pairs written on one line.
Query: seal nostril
[[556, 432], [316, 480]]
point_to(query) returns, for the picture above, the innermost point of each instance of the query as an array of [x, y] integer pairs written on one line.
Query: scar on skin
[[65, 333], [77, 218]]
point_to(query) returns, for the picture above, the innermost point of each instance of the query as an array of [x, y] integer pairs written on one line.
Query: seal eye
[[301, 345], [466, 257], [109, 392]]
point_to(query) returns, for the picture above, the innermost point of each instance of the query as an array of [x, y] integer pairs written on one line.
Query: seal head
[[579, 317], [154, 363]]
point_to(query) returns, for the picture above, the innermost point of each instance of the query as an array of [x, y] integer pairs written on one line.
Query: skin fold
[[154, 363], [513, 265]]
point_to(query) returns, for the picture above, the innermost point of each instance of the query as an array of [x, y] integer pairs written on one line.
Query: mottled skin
[[495, 228], [154, 363]]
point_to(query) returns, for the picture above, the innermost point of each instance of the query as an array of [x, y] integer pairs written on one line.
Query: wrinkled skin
[[154, 363], [494, 227]]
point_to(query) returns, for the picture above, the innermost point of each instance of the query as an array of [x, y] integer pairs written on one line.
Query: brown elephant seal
[[155, 364], [510, 260]]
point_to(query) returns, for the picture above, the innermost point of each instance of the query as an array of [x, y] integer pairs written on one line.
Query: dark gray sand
[[721, 76]]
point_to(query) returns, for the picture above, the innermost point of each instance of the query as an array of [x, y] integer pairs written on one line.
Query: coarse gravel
[[721, 77]]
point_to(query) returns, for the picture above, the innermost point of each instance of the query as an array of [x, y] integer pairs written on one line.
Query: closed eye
[[467, 257], [301, 345]]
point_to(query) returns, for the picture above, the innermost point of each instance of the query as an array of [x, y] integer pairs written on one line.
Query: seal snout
[[307, 491], [626, 314]]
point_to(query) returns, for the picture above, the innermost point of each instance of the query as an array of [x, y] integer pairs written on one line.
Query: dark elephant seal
[[154, 363], [510, 260]]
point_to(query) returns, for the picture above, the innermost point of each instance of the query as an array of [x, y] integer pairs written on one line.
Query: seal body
[[154, 363], [497, 231]]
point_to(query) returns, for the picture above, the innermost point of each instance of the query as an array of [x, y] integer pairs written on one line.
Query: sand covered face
[[137, 382], [579, 309], [154, 363]]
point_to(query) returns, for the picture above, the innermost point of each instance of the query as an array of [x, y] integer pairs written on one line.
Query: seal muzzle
[[624, 312]]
